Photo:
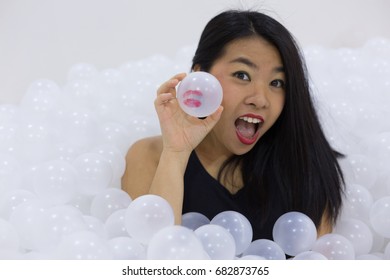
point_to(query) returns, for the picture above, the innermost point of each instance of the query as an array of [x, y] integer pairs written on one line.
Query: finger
[[170, 85], [212, 119], [163, 98]]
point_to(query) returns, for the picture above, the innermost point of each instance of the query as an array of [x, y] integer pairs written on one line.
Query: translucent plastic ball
[[175, 243], [380, 216], [146, 215], [199, 94], [265, 248], [194, 220], [83, 245], [9, 239], [334, 247], [310, 255], [238, 226], [108, 201], [115, 224], [218, 243], [55, 182], [358, 233], [94, 173], [294, 232], [126, 248]]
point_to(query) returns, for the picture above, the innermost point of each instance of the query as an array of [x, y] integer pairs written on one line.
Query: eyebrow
[[251, 64]]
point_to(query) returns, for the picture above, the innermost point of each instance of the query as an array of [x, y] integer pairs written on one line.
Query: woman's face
[[253, 81]]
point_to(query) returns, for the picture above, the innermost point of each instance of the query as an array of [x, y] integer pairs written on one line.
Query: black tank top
[[205, 195]]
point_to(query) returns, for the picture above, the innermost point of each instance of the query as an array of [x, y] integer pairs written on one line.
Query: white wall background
[[44, 38]]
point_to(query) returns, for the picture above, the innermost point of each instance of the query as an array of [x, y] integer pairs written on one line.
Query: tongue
[[245, 129]]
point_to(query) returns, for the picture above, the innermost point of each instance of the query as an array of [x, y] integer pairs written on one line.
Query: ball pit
[[62, 153]]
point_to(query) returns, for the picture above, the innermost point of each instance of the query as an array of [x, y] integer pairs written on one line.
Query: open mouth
[[247, 128]]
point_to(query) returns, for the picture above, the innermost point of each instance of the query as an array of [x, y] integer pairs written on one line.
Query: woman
[[262, 153]]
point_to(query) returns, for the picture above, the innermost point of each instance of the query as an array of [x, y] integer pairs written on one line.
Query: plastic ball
[[194, 220], [358, 233], [94, 173], [310, 255], [238, 226], [146, 215], [126, 248], [265, 248], [55, 182], [115, 224], [108, 201], [199, 94], [175, 243], [294, 232], [83, 245], [380, 216], [334, 247], [218, 243], [9, 239]]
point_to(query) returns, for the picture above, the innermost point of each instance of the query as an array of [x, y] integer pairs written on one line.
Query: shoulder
[[147, 149], [141, 163]]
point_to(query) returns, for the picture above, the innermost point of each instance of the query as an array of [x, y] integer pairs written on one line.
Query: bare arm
[[166, 158]]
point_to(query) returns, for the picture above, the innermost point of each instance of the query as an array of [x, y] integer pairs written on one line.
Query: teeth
[[250, 120]]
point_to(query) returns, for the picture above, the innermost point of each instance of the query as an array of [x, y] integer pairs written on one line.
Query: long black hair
[[293, 156]]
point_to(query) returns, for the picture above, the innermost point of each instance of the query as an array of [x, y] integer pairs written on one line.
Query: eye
[[278, 83], [242, 76]]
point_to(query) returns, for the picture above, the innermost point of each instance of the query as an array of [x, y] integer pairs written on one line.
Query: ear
[[197, 68]]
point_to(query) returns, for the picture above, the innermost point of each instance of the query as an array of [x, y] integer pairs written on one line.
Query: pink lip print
[[191, 98]]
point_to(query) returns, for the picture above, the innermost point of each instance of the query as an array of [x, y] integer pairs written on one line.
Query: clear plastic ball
[[55, 182], [126, 248], [194, 220], [380, 216], [238, 226], [310, 255], [294, 232], [199, 94], [94, 173], [265, 248], [334, 247], [175, 243], [115, 224], [108, 201], [83, 245], [146, 215], [9, 239], [218, 243], [358, 233]]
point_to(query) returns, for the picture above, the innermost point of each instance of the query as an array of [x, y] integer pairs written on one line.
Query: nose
[[258, 96]]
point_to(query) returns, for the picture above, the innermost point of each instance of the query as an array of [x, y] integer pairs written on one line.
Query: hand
[[180, 131]]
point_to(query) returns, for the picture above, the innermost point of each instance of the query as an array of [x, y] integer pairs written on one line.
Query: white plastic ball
[[357, 203], [238, 226], [218, 243], [310, 255], [175, 243], [83, 245], [146, 215], [94, 173], [10, 200], [294, 232], [108, 201], [380, 216], [9, 238], [334, 247], [95, 225], [194, 220], [55, 182], [358, 233], [115, 224], [265, 248], [199, 94], [126, 248]]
